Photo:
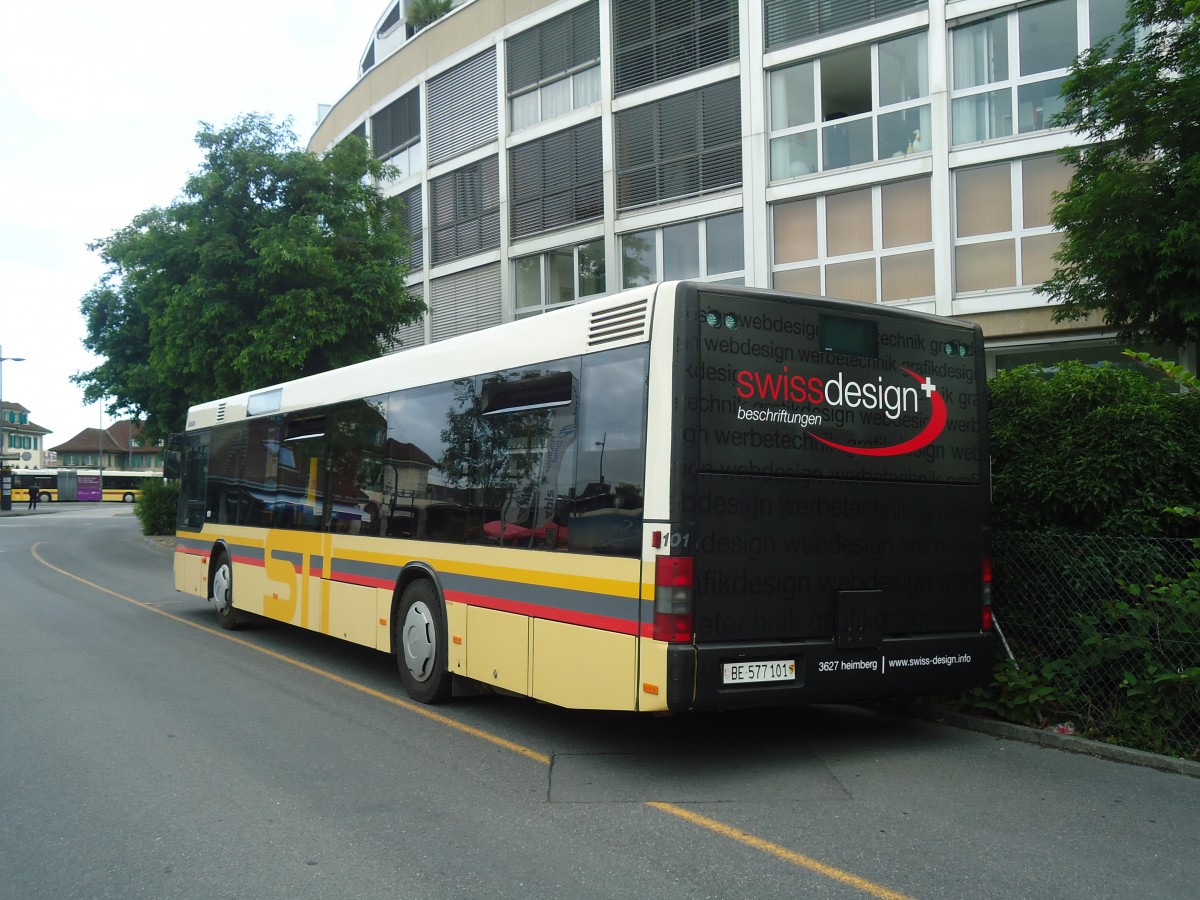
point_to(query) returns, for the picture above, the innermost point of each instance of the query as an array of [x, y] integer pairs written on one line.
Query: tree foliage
[[1131, 215], [275, 263], [1096, 449], [421, 13]]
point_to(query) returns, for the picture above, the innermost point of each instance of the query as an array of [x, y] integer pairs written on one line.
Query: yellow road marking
[[323, 673], [728, 831], [779, 852]]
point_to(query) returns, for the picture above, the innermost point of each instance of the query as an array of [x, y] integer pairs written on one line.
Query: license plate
[[758, 672]]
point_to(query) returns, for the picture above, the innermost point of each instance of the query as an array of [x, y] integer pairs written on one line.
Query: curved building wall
[[887, 151]]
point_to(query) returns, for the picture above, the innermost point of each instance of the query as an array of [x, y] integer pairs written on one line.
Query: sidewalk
[[49, 507], [23, 510]]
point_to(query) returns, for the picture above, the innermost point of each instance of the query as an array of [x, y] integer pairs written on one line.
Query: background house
[[24, 442], [120, 446]]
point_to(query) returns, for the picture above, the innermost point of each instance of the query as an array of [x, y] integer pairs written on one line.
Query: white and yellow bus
[[85, 485], [686, 496]]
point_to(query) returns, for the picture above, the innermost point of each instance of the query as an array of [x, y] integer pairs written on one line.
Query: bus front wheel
[[222, 592], [419, 642]]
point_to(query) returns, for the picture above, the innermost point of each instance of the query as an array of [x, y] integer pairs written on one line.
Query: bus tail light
[[674, 577], [986, 583]]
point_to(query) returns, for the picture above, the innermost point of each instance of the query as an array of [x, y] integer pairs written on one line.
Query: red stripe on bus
[[536, 611]]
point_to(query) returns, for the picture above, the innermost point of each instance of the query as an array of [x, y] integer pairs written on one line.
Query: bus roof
[[611, 321]]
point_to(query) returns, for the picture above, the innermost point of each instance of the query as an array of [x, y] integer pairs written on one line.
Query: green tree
[[275, 263], [420, 13], [1095, 449], [1131, 215]]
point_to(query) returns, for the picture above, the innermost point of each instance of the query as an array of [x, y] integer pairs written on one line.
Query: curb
[[1068, 743], [162, 543]]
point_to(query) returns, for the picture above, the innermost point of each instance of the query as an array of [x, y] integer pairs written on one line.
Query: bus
[[80, 484], [686, 496]]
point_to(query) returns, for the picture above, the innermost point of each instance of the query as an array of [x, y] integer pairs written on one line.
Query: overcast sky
[[99, 108]]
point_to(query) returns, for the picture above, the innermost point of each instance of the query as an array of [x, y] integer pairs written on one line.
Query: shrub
[[1100, 449], [157, 505]]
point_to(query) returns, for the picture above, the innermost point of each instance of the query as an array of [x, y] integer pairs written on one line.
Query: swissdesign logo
[[840, 393]]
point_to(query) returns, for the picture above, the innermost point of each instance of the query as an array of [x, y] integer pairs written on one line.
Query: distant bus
[[686, 496], [80, 484]]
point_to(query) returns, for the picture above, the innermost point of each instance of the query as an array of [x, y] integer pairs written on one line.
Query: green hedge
[[1096, 449], [157, 506]]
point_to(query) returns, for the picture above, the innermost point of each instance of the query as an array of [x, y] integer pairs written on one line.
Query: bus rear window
[[853, 337]]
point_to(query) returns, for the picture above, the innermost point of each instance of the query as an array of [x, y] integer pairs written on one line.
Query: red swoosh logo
[[937, 421]]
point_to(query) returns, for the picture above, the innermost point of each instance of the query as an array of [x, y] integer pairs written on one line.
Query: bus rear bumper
[[725, 676]]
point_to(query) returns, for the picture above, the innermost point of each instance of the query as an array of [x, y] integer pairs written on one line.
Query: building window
[[1008, 71], [706, 249], [465, 211], [463, 112], [554, 68], [413, 334], [390, 21], [464, 302], [1003, 235], [849, 107], [560, 277], [872, 244], [396, 133], [413, 224], [792, 21], [557, 180], [654, 40], [680, 146]]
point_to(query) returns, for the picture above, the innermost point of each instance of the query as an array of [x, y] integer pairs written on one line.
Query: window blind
[[463, 108], [554, 48], [465, 210], [791, 21], [557, 180], [679, 146], [464, 302], [397, 124], [658, 39]]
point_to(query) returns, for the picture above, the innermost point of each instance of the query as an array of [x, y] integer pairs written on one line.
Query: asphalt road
[[146, 754]]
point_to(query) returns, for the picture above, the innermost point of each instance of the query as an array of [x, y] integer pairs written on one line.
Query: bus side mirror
[[171, 457]]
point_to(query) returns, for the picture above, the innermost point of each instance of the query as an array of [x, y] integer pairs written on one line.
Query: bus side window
[[610, 474], [356, 465]]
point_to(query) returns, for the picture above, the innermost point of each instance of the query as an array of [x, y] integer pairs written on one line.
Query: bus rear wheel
[[419, 642], [222, 593]]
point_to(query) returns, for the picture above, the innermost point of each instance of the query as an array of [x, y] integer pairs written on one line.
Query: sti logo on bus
[[843, 393]]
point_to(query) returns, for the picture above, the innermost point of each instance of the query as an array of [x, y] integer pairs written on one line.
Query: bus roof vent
[[618, 323], [221, 413]]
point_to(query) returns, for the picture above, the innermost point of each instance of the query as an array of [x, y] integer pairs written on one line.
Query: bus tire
[[419, 642], [128, 498], [221, 592]]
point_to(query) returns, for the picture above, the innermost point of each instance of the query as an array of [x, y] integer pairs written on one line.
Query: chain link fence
[[1105, 636]]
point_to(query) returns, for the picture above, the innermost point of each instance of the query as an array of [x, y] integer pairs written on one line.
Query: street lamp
[[6, 487]]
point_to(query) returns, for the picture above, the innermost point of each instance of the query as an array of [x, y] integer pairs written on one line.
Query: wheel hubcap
[[221, 590], [418, 640]]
